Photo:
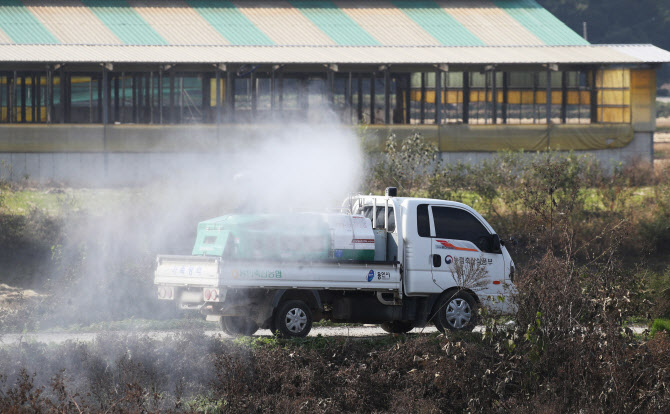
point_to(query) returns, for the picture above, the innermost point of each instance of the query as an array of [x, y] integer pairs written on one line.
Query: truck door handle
[[437, 260]]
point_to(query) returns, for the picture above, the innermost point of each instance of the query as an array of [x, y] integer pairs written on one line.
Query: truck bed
[[209, 271]]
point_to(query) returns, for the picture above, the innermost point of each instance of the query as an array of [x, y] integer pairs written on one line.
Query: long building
[[97, 88]]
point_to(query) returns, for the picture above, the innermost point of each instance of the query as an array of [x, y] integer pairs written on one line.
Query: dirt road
[[330, 331], [365, 331]]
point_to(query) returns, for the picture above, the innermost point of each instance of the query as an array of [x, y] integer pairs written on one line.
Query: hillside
[[615, 21]]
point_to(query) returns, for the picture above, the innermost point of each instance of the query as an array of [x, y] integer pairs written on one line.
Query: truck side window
[[457, 224], [422, 220]]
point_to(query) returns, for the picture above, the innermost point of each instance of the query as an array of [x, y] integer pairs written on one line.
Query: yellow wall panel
[[453, 97], [613, 78], [212, 91], [527, 97], [556, 97], [585, 97], [514, 97], [643, 99], [29, 114], [573, 98], [614, 115]]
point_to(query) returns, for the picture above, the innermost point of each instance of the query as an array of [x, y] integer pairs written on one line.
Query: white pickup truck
[[429, 261]]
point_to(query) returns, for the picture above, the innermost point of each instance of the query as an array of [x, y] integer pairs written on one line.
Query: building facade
[[98, 88]]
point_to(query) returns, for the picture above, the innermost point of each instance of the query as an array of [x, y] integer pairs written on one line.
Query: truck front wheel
[[456, 311], [238, 326], [293, 319]]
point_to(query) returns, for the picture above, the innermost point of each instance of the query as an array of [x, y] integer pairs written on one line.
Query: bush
[[405, 164], [458, 373], [659, 325]]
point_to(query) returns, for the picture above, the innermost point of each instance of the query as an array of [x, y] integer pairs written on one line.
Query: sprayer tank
[[286, 237]]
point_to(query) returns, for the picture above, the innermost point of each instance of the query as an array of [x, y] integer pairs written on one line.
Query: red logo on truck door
[[451, 246]]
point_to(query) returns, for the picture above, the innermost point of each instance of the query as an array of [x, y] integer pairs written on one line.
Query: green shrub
[[406, 164], [660, 325]]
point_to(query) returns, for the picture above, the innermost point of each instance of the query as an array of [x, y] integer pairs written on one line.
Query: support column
[[33, 97], [348, 98], [180, 116], [422, 105], [117, 103], [281, 90], [564, 97], [230, 95], [206, 99], [273, 91], [438, 96], [373, 93], [253, 94], [23, 98], [14, 98], [147, 113], [62, 97], [105, 96], [49, 94], [217, 79], [330, 80], [408, 99], [504, 97], [387, 96], [134, 98], [359, 105], [548, 100], [100, 84], [151, 93], [160, 95], [594, 96], [172, 106], [494, 92], [466, 97], [123, 98]]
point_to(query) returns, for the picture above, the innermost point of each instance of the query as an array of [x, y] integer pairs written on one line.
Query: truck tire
[[397, 327], [456, 311], [238, 326], [292, 319]]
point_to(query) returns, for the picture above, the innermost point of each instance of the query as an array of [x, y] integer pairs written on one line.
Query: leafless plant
[[470, 273]]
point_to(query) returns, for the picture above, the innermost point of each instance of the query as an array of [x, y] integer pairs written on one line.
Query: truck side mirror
[[495, 243]]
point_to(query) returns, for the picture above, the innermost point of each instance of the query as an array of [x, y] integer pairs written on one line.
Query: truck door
[[463, 251], [418, 278]]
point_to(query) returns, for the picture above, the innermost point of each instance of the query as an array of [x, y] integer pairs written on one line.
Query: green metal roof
[[125, 22], [278, 22], [21, 25], [334, 22], [540, 22], [230, 22], [440, 24]]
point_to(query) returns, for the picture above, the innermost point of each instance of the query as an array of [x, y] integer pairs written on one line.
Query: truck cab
[[445, 245]]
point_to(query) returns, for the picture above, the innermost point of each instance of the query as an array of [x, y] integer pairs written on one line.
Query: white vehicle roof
[[367, 200]]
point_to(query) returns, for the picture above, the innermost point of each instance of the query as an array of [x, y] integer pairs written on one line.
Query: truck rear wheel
[[293, 319], [456, 311], [238, 326], [397, 327]]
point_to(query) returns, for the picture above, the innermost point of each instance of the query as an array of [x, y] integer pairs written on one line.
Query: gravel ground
[[332, 331], [365, 331]]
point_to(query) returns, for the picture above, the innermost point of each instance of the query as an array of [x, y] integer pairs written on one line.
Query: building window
[[613, 96]]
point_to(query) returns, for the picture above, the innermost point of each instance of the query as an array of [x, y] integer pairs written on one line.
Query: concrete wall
[[640, 150], [127, 168], [131, 154]]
